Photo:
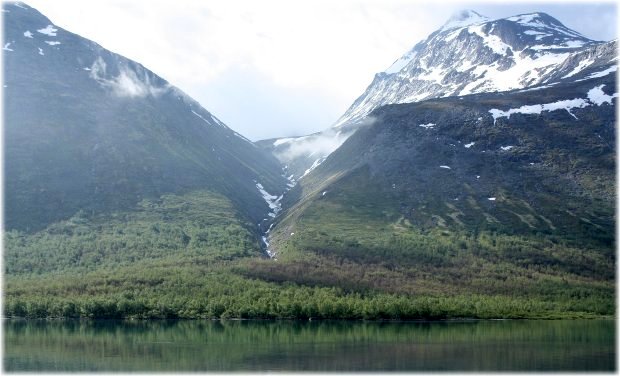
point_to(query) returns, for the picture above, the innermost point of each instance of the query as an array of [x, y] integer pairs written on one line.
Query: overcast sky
[[281, 68]]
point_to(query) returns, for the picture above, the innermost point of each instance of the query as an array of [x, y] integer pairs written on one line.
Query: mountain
[[469, 54], [124, 198], [88, 130], [127, 199], [498, 194], [472, 54], [507, 192]]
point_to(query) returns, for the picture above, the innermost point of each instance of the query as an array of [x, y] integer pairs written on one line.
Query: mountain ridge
[[511, 53], [525, 43]]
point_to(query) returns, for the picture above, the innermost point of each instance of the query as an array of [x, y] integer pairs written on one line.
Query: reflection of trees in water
[[318, 345]]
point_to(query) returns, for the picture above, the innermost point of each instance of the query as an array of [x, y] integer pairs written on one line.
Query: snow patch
[[41, 51], [271, 200], [603, 73], [446, 167], [506, 148], [203, 119], [427, 126], [533, 32], [314, 165], [270, 253], [48, 30], [218, 122], [491, 199], [28, 34], [469, 145], [598, 97], [243, 138], [581, 66], [52, 42], [402, 62], [573, 43], [6, 47], [493, 42], [539, 108]]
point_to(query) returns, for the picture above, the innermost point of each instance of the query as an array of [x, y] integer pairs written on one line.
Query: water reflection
[[309, 346]]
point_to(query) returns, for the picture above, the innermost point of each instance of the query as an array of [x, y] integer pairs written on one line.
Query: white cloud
[[317, 146], [319, 47], [331, 48], [127, 83]]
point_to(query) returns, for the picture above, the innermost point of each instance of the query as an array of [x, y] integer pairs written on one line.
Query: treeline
[[195, 288], [298, 303]]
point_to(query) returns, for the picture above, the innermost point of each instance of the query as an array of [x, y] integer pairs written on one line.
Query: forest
[[190, 257]]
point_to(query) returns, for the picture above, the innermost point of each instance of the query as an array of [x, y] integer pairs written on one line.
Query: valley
[[446, 190]]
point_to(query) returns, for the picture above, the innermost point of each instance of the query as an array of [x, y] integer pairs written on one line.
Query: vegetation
[[190, 257], [361, 245]]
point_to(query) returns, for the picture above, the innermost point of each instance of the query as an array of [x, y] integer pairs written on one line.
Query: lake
[[176, 346]]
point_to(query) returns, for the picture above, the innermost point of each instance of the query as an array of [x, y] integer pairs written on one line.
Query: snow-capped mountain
[[469, 54], [472, 54]]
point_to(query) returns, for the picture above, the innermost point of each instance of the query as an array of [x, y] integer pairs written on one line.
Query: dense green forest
[[191, 257]]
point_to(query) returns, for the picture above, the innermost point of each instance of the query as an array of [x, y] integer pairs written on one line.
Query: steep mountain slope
[[520, 143], [89, 130], [500, 194], [469, 54]]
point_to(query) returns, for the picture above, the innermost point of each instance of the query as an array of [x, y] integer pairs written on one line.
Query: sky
[[279, 68]]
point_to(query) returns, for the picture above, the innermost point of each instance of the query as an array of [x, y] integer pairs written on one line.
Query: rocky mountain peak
[[472, 54], [464, 18]]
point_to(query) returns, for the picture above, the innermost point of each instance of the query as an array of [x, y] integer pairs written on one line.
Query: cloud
[[301, 51], [317, 145], [253, 105], [321, 48], [127, 83]]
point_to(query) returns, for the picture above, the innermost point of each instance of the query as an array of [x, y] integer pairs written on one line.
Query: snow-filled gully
[[275, 206]]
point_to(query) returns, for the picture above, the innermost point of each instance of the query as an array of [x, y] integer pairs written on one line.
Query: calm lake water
[[309, 346]]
